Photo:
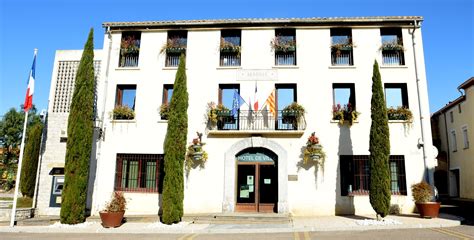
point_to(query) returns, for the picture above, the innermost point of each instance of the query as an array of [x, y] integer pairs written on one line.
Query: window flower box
[[123, 113], [400, 113], [344, 113]]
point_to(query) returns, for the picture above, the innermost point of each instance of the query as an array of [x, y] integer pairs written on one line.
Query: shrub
[[30, 160], [422, 192]]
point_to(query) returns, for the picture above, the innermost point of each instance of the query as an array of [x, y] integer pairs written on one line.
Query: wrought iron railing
[[172, 59], [129, 59], [247, 120], [229, 59], [342, 58], [393, 57], [282, 58]]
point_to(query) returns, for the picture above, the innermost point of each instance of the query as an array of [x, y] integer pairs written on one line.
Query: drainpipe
[[428, 173], [102, 115], [448, 159]]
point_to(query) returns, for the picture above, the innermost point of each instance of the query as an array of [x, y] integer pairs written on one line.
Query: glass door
[[246, 188], [268, 188]]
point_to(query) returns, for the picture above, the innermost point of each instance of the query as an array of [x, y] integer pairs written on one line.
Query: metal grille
[[246, 120], [65, 80], [128, 59], [138, 172], [172, 59], [282, 58], [229, 59], [355, 175], [393, 57], [343, 57]]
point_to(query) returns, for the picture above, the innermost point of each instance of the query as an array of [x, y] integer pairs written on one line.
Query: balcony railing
[[342, 58], [247, 120], [129, 60], [282, 58], [172, 59], [393, 57], [229, 59]]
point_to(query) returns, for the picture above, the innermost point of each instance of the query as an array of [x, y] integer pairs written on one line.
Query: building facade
[[452, 134], [255, 152]]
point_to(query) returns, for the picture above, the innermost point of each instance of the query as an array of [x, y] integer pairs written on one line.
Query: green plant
[[344, 113], [80, 130], [30, 160], [379, 148], [399, 113], [177, 45], [422, 192], [342, 45], [214, 112], [175, 149], [313, 151], [118, 203], [164, 111], [294, 108], [123, 113], [195, 154], [283, 44]]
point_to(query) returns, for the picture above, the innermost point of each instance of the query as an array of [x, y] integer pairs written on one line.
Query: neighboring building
[[255, 157], [452, 134], [51, 174]]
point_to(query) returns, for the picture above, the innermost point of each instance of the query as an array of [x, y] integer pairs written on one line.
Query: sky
[[50, 25]]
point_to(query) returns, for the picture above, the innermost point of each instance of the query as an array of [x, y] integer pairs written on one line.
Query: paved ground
[[460, 232]]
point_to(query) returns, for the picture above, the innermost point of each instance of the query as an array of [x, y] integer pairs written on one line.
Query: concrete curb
[[299, 225]]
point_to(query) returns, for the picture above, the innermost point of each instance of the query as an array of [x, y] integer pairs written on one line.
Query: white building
[[254, 157]]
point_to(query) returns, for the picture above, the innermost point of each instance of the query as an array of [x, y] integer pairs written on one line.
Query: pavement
[[295, 224]]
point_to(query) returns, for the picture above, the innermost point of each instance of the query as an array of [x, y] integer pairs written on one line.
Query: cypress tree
[[79, 141], [30, 160], [379, 149], [175, 149]]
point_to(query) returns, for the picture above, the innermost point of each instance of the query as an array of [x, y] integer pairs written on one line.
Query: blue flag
[[237, 101]]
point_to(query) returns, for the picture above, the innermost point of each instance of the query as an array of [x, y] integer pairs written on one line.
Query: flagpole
[[18, 172]]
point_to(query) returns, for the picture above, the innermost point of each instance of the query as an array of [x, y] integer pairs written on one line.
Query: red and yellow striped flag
[[270, 102]]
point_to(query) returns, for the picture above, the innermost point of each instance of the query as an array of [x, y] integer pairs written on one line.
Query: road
[[460, 232]]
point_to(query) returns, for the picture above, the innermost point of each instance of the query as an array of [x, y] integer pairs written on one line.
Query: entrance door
[[257, 182]]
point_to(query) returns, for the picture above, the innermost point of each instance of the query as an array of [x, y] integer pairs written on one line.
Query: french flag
[[31, 86]]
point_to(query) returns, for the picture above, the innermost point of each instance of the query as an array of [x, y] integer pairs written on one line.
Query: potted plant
[[174, 45], [423, 196], [394, 45], [343, 44], [228, 47], [195, 154], [344, 113], [123, 113], [313, 151], [292, 113], [283, 44], [218, 114], [400, 113], [164, 111], [112, 215], [129, 45]]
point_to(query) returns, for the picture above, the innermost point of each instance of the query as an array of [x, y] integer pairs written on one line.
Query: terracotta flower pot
[[428, 209], [111, 219]]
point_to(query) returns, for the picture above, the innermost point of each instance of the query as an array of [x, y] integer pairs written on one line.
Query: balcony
[[262, 122]]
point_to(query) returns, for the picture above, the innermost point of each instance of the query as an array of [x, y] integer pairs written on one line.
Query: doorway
[[257, 181]]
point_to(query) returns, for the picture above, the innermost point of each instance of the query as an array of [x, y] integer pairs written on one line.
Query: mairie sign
[[254, 157], [257, 75]]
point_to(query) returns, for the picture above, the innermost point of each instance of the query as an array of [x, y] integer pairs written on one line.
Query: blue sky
[[448, 33]]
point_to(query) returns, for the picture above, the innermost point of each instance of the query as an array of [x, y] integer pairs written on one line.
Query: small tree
[[379, 149], [79, 142], [30, 159], [175, 149]]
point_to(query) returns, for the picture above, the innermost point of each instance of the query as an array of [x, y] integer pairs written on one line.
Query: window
[[465, 137], [285, 95], [175, 46], [165, 106], [129, 49], [396, 95], [451, 117], [341, 46], [344, 95], [225, 119], [459, 108], [355, 174], [138, 172], [392, 46], [284, 45], [230, 48], [454, 145], [126, 95]]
